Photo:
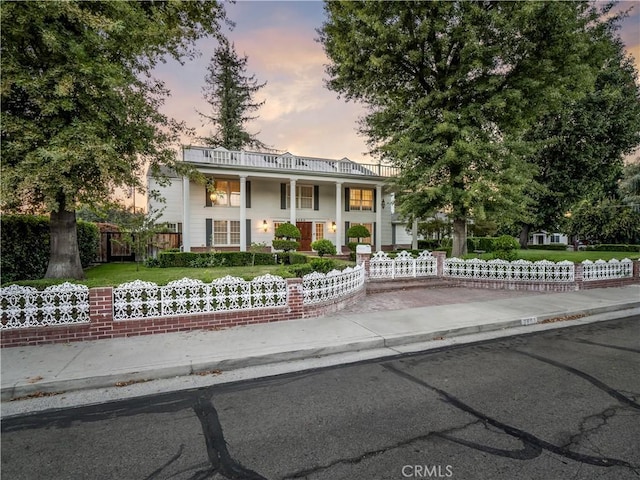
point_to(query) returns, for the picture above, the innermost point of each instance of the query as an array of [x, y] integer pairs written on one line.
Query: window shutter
[[316, 197], [347, 196], [346, 235], [248, 193], [393, 234], [283, 196], [207, 198], [248, 225], [209, 231], [374, 234], [375, 199]]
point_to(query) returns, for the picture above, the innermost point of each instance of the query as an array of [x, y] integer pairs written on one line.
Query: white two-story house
[[248, 194]]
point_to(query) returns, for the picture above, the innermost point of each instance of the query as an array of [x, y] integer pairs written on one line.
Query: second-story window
[[227, 193], [361, 199], [304, 196]]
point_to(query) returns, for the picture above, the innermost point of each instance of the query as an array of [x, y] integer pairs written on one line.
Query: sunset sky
[[300, 115]]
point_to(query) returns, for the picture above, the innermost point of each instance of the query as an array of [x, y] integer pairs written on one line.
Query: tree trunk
[[459, 237], [524, 235], [64, 257]]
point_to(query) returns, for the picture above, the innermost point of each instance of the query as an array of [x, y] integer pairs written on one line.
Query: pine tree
[[230, 91]]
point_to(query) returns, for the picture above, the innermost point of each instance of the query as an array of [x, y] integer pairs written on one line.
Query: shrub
[[296, 258], [506, 242], [287, 231], [323, 265], [88, 242], [285, 245], [508, 255], [429, 244], [324, 247], [285, 238], [300, 270], [25, 246], [214, 259], [358, 231]]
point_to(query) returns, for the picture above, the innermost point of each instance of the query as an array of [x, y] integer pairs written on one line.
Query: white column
[[414, 234], [378, 245], [243, 214], [292, 202], [339, 235], [186, 216]]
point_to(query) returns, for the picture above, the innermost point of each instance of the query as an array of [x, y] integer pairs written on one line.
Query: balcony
[[284, 162]]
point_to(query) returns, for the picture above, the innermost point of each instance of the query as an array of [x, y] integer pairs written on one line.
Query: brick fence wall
[[102, 325]]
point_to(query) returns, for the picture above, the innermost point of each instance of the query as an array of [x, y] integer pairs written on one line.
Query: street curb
[[384, 343]]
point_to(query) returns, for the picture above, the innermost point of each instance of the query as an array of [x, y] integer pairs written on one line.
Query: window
[[171, 227], [226, 232], [319, 231], [361, 199], [369, 227], [227, 193], [304, 196], [555, 238]]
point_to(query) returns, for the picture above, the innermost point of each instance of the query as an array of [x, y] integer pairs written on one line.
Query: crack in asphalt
[[372, 453], [589, 378], [524, 436], [159, 470], [219, 456], [607, 345]]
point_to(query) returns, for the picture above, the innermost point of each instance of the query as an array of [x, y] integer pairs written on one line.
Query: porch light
[[213, 196], [333, 227], [383, 203], [265, 226]]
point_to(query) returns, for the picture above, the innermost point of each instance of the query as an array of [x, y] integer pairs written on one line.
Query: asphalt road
[[562, 404]]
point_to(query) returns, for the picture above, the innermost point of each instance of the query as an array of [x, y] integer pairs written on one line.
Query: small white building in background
[[543, 237], [248, 194]]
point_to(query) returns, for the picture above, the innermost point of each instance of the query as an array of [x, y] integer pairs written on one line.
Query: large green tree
[[451, 87], [583, 143], [229, 91], [80, 106]]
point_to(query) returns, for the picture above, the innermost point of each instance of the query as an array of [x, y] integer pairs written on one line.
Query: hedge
[[228, 259], [552, 246], [25, 246], [610, 247]]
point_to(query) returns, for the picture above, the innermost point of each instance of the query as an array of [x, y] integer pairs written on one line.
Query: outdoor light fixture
[[213, 196], [383, 203], [333, 227], [264, 226]]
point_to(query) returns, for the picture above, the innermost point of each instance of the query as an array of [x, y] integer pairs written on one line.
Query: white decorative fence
[[602, 270], [403, 266], [145, 299], [23, 307], [319, 287], [519, 270]]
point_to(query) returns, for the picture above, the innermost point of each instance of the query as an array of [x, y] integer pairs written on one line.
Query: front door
[[305, 235]]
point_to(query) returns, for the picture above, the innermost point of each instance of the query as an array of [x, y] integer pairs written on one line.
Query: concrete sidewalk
[[106, 363]]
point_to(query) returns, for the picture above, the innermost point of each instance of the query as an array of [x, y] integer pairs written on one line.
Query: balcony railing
[[287, 161]]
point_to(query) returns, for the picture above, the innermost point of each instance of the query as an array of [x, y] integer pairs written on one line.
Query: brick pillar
[[101, 304], [579, 276], [636, 269], [295, 298], [364, 259], [440, 257]]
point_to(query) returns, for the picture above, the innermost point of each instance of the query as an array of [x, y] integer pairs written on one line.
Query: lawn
[[111, 274]]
